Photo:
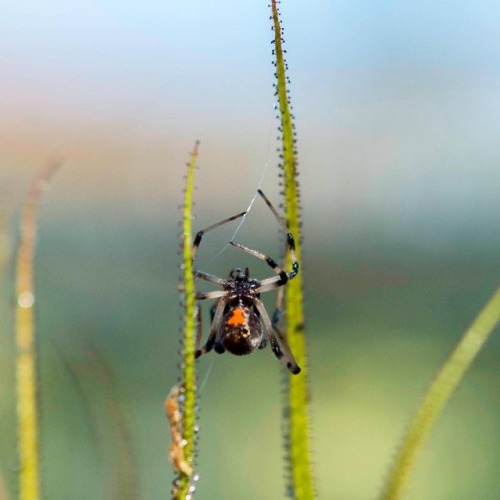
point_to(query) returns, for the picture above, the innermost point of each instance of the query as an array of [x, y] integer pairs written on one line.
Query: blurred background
[[398, 123]]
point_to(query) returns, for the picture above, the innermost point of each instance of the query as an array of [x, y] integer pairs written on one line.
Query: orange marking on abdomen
[[238, 317]]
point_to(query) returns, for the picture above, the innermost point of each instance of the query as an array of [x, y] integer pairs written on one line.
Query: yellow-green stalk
[[440, 391], [297, 425], [183, 485], [26, 354]]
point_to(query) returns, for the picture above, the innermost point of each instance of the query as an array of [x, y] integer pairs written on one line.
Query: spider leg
[[275, 317], [287, 350], [278, 311], [209, 277], [218, 347], [275, 320], [212, 313], [289, 237], [199, 329], [263, 342], [282, 277], [199, 234], [287, 358], [270, 284], [273, 210], [214, 294], [211, 341]]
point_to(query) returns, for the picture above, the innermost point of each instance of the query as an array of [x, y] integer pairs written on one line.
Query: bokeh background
[[398, 122]]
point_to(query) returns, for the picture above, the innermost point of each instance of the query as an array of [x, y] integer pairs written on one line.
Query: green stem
[[183, 484], [26, 355], [440, 391], [297, 411]]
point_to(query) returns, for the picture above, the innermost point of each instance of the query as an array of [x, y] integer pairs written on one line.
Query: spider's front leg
[[199, 234]]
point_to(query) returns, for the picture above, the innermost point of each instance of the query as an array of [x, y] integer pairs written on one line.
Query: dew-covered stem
[[296, 412], [180, 406]]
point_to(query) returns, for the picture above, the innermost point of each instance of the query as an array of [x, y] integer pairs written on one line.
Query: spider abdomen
[[241, 331]]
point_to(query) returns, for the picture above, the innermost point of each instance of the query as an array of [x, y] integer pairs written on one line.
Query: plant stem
[[440, 391], [297, 411], [183, 488], [26, 355]]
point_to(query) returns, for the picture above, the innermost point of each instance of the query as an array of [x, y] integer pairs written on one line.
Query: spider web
[[265, 168], [208, 370]]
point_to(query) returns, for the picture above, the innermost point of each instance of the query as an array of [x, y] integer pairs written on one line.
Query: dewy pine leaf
[[439, 393], [181, 403], [26, 356], [297, 412]]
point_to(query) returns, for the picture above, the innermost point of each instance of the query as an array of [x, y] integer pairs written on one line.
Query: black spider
[[238, 312]]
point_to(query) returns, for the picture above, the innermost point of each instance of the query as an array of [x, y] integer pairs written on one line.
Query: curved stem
[[26, 355], [440, 391]]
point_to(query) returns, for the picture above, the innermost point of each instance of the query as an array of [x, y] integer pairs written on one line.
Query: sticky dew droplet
[[25, 300]]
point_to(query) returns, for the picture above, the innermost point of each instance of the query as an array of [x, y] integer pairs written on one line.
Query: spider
[[238, 313]]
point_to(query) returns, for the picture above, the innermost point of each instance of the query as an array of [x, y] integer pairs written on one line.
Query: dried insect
[[176, 450]]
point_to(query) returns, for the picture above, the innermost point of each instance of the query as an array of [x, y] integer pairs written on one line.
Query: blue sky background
[[396, 102]]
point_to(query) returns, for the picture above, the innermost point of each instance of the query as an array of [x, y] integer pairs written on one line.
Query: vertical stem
[[297, 426], [26, 356], [190, 319], [182, 454]]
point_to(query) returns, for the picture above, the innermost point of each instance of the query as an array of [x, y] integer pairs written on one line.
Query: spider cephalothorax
[[238, 314]]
